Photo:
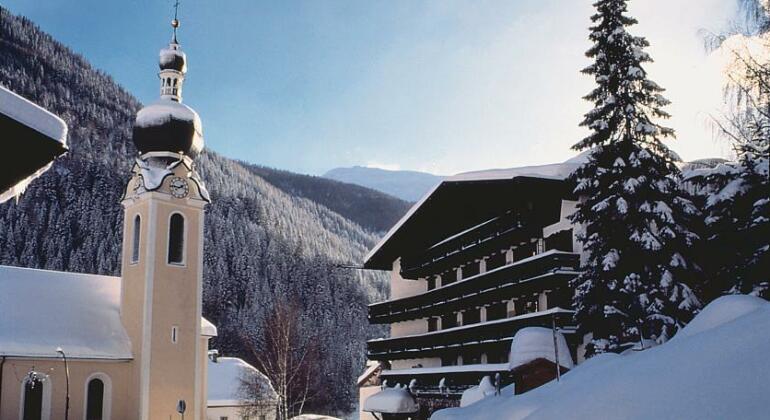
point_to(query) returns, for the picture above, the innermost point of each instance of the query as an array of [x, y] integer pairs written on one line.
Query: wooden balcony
[[476, 242], [454, 340], [549, 270]]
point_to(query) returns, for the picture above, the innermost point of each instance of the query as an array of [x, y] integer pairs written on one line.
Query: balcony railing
[[473, 243], [540, 272], [436, 343]]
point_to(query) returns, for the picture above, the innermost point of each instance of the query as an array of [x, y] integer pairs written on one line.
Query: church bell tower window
[[176, 239], [135, 240]]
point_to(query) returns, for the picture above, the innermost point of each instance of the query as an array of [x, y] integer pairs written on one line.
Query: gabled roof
[[466, 200], [41, 310]]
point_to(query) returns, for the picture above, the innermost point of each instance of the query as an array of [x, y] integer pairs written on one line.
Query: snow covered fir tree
[[736, 195], [637, 276]]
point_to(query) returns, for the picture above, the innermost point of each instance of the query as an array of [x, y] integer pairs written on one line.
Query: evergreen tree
[[636, 276], [737, 194]]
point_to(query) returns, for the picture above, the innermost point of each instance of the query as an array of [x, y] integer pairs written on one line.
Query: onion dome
[[172, 58], [168, 126]]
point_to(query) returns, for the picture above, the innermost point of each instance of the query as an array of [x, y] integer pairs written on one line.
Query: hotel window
[[472, 316], [176, 239], [174, 334], [496, 260], [448, 321], [471, 269], [135, 240], [432, 324], [496, 311]]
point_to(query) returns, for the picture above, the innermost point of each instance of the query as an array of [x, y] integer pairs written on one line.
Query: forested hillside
[[263, 242]]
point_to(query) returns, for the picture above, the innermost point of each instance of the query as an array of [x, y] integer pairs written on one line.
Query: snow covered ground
[[715, 368]]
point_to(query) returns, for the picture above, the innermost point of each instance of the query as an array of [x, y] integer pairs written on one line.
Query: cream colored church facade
[[83, 346]]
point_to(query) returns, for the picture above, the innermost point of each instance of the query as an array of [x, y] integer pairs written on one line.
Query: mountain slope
[[406, 185], [370, 208], [262, 243]]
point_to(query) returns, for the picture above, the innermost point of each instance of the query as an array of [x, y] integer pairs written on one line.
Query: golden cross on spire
[[175, 22]]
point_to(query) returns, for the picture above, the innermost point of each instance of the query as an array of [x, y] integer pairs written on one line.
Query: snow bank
[[391, 400], [32, 115], [477, 393], [721, 311], [225, 382], [718, 371], [534, 343]]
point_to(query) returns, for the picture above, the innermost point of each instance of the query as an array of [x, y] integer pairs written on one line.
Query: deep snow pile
[[534, 343], [715, 368]]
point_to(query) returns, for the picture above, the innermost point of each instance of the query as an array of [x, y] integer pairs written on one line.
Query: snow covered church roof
[[468, 199], [168, 126], [226, 377], [41, 310]]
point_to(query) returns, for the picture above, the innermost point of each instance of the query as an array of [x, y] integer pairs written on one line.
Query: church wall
[[15, 371]]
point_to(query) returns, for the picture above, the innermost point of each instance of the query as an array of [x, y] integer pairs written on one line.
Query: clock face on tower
[[179, 187]]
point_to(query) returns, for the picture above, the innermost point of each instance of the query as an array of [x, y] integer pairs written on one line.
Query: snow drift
[[715, 368]]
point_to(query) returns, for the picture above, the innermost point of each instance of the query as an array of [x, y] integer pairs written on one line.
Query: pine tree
[[636, 275], [738, 193]]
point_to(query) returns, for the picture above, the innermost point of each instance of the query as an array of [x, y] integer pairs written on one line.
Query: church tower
[[162, 262]]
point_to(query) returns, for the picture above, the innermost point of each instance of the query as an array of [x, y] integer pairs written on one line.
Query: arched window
[[36, 399], [174, 82], [98, 397], [168, 81], [95, 400], [135, 240], [33, 400], [176, 239]]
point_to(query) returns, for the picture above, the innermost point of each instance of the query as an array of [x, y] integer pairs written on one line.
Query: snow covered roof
[[392, 401], [207, 328], [371, 368], [225, 382], [532, 343], [31, 137], [41, 310], [717, 370], [466, 200], [32, 116], [163, 111], [168, 125], [173, 58]]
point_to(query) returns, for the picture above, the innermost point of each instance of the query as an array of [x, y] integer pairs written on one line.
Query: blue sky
[[439, 86]]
